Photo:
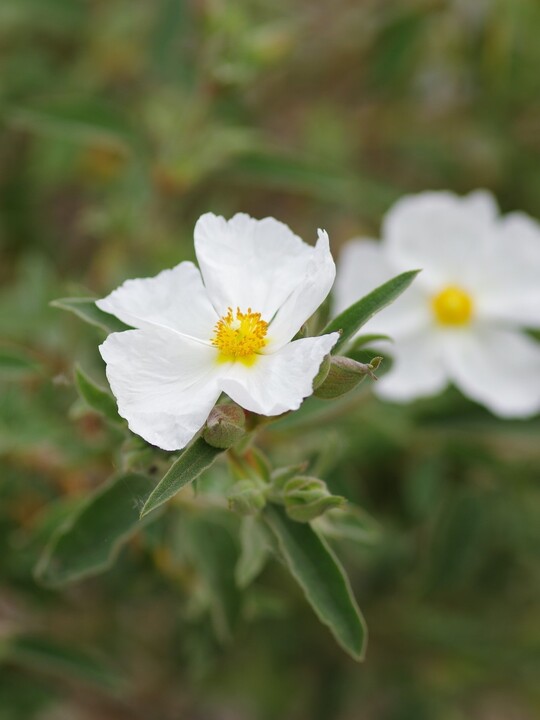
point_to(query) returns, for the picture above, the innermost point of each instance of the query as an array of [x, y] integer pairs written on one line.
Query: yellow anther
[[453, 306], [240, 336]]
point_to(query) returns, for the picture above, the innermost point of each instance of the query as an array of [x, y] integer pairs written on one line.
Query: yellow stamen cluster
[[240, 336], [453, 306]]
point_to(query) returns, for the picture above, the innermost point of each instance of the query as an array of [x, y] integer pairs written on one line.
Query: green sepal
[[306, 498]]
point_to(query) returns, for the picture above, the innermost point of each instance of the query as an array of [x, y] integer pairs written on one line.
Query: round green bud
[[226, 425], [306, 498], [246, 497], [344, 375]]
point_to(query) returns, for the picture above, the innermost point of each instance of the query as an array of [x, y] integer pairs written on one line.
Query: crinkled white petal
[[509, 289], [174, 299], [165, 384], [363, 265], [496, 367], [417, 370], [278, 382], [312, 287], [249, 263], [448, 237]]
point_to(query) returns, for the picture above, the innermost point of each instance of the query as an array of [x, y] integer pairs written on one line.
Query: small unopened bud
[[320, 377], [225, 426], [306, 498], [344, 375], [246, 497]]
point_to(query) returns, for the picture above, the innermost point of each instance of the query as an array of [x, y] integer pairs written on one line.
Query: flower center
[[452, 306], [240, 336]]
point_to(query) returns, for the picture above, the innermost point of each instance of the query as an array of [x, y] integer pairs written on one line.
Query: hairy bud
[[306, 498], [320, 377], [246, 497], [226, 425], [344, 375]]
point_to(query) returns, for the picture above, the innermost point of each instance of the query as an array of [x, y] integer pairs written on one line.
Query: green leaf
[[78, 120], [351, 320], [254, 553], [89, 541], [361, 341], [349, 523], [16, 362], [87, 310], [38, 653], [195, 459], [96, 397], [211, 549], [320, 575]]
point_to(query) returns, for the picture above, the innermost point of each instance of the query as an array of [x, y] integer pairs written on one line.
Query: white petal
[[278, 382], [483, 204], [313, 284], [249, 263], [174, 299], [498, 368], [448, 237], [363, 265], [417, 370], [165, 384], [510, 288]]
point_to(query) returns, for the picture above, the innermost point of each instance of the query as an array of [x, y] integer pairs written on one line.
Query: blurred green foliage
[[123, 120]]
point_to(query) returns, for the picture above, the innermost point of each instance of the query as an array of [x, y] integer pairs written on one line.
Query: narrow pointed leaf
[[87, 310], [362, 341], [351, 320], [96, 397], [322, 578], [192, 462], [89, 541], [16, 362], [38, 653]]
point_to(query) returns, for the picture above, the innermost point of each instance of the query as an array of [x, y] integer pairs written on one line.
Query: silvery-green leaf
[[322, 578]]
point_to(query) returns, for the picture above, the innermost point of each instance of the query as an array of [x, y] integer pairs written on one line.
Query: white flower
[[228, 331], [461, 320]]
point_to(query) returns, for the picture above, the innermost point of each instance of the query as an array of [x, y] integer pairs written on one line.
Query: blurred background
[[121, 121]]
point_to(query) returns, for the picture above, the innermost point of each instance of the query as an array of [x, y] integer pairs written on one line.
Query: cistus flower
[[227, 328], [462, 319]]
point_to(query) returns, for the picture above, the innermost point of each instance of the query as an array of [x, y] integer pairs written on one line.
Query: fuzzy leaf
[[194, 460], [38, 653], [96, 397], [87, 310], [353, 318], [15, 362], [255, 550], [89, 541], [213, 552], [349, 523], [320, 575]]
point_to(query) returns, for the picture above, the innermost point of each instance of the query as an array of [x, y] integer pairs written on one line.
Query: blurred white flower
[[461, 321], [227, 331]]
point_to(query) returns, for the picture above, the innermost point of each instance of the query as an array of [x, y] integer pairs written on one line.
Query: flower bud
[[246, 497], [225, 426], [344, 375], [306, 498], [320, 377]]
